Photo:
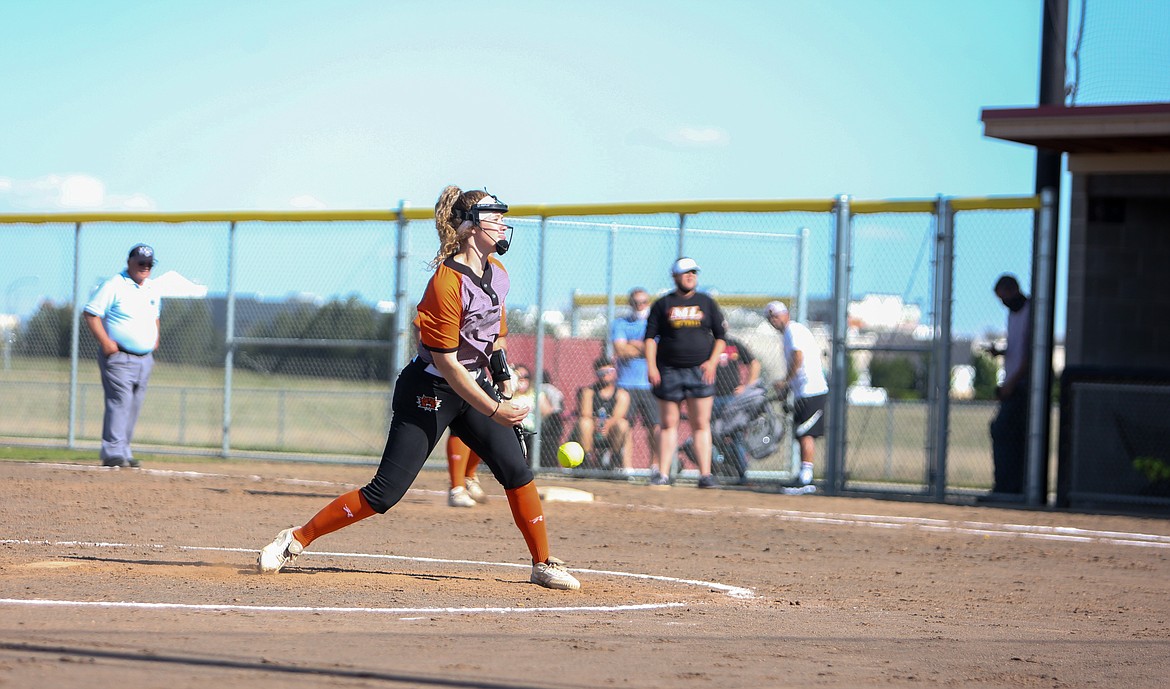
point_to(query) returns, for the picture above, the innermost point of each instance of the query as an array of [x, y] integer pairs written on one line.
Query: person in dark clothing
[[685, 336], [1010, 425], [601, 415], [738, 370]]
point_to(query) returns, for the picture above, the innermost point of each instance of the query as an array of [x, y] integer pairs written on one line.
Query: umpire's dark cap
[[142, 252]]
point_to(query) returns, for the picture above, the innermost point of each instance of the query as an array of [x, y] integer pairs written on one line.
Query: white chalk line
[[1054, 533], [215, 607], [727, 589], [254, 478]]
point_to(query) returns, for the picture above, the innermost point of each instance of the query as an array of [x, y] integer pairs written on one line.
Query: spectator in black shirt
[[685, 336], [729, 377]]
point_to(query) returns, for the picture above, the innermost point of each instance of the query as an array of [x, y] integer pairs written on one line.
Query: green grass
[[184, 406], [21, 453], [54, 370]]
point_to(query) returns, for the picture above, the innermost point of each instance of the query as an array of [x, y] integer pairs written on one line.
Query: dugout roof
[[1098, 138]]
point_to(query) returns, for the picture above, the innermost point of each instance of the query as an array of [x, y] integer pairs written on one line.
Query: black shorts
[[680, 384], [642, 406], [424, 406], [808, 417]]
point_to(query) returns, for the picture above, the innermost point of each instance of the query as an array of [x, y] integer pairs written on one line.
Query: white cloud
[[67, 191], [133, 202], [81, 191], [699, 136], [307, 202], [682, 137]]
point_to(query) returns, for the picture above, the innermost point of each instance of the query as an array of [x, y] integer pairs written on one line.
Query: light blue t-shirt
[[632, 373], [129, 312]]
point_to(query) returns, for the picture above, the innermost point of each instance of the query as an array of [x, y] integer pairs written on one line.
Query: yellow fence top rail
[[725, 300], [996, 203], [534, 210]]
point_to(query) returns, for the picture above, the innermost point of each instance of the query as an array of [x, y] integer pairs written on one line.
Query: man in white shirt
[[123, 316], [805, 378]]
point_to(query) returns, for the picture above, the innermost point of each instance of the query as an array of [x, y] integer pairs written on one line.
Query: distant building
[[884, 313]]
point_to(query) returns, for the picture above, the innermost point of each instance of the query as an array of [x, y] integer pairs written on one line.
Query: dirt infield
[[145, 578]]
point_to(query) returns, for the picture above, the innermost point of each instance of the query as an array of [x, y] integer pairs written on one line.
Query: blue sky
[[220, 105]]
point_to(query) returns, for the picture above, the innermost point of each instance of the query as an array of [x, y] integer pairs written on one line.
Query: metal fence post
[[802, 275], [944, 290], [537, 371], [75, 336], [574, 314], [1038, 398], [609, 289], [182, 415], [229, 335], [682, 232], [398, 324], [280, 416], [838, 381], [889, 466], [800, 306], [400, 275]]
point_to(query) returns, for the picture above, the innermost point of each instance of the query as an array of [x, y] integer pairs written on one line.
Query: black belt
[[127, 351]]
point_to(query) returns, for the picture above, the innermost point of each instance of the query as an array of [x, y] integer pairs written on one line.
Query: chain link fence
[[289, 340]]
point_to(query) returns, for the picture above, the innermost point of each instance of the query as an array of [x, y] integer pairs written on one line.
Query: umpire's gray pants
[[124, 378]]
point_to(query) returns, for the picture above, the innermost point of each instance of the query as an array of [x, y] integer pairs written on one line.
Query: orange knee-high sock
[[526, 510], [472, 464], [457, 460], [343, 511]]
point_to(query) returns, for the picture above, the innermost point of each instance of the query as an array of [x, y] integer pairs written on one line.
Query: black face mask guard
[[473, 215]]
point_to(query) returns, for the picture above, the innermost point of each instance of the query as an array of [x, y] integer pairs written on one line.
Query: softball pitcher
[[455, 381]]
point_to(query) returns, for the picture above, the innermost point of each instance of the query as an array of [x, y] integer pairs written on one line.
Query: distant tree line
[[903, 377], [907, 377], [190, 336]]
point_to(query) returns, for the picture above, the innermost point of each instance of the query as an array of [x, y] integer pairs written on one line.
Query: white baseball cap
[[775, 308], [684, 265]]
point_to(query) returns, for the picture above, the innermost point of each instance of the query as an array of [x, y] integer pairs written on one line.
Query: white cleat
[[553, 575], [281, 551], [458, 497], [474, 489]]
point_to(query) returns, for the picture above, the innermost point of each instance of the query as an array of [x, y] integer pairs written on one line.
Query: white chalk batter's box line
[[989, 529], [213, 607], [1051, 533], [732, 591]]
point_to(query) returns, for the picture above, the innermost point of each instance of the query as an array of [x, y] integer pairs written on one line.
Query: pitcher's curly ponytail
[[452, 231]]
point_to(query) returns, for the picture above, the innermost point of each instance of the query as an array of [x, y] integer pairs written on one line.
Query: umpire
[[123, 316]]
